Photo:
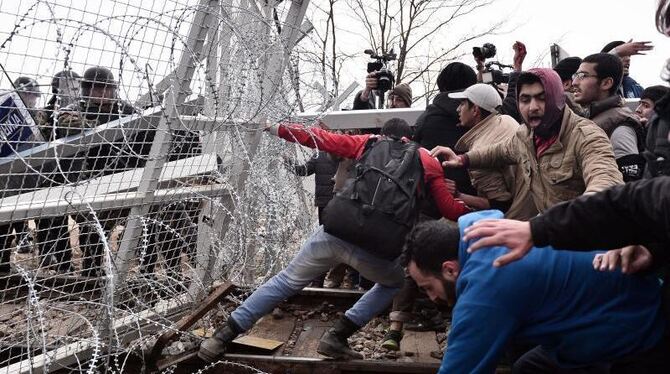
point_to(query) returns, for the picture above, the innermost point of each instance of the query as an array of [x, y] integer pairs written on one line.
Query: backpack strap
[[408, 158], [371, 141]]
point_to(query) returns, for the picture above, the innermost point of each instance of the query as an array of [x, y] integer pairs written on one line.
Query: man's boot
[[213, 348], [334, 343]]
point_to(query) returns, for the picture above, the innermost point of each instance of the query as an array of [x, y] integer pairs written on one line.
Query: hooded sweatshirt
[[547, 132]]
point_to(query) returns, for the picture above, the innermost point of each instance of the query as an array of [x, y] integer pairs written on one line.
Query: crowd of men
[[563, 159], [556, 152]]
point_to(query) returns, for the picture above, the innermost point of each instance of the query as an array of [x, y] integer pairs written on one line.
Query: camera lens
[[488, 50]]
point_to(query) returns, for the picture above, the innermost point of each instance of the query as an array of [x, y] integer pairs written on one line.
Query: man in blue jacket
[[580, 320]]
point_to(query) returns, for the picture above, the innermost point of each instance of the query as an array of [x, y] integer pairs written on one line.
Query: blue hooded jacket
[[550, 298]]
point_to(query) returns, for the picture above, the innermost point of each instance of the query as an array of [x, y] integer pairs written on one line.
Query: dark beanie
[[456, 76], [404, 91], [567, 66], [611, 45], [654, 93]]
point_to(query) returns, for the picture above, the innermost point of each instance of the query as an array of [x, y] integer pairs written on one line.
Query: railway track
[[299, 324], [296, 326]]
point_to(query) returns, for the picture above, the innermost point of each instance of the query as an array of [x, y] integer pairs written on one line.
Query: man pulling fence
[[364, 227]]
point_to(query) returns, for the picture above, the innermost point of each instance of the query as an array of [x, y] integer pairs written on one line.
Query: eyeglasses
[[581, 75]]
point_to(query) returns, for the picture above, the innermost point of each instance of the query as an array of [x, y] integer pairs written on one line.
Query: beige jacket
[[492, 184], [580, 161]]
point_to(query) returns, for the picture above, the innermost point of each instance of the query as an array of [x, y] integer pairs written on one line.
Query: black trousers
[[538, 361], [174, 232], [53, 243], [653, 361], [91, 242]]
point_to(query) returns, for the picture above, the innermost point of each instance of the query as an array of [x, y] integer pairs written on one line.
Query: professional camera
[[385, 78], [495, 76], [488, 50]]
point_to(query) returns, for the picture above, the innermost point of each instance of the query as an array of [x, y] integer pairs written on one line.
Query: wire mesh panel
[[133, 172]]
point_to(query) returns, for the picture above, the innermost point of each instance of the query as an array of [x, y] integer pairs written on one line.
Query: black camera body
[[385, 80], [488, 50], [385, 77]]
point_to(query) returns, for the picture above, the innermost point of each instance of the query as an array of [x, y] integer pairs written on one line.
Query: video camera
[[385, 78], [495, 76], [488, 50], [491, 75]]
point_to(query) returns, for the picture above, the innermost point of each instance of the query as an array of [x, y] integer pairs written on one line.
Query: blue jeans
[[321, 252]]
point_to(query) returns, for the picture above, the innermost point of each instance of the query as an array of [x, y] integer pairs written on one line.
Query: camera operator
[[509, 106], [399, 97], [380, 80]]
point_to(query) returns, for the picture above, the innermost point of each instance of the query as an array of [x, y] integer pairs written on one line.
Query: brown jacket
[[612, 113], [580, 161], [492, 184]]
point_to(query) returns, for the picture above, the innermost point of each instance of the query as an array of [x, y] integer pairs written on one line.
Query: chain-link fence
[[133, 172]]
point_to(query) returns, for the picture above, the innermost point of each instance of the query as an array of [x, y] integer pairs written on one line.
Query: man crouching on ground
[[579, 319]]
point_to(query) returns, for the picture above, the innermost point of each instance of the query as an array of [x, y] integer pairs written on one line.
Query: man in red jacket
[[322, 251]]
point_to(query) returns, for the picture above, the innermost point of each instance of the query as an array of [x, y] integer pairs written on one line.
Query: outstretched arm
[[635, 213], [346, 146]]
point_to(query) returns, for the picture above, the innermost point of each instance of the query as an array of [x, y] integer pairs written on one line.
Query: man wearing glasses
[[596, 84], [560, 154]]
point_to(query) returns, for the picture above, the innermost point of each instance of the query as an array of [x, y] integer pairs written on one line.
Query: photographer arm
[[510, 105], [480, 68], [366, 99]]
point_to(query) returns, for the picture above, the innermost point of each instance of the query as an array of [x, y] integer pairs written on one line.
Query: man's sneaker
[[392, 340], [213, 348], [330, 283], [334, 343]]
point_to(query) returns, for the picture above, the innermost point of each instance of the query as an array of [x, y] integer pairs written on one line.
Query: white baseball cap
[[482, 95]]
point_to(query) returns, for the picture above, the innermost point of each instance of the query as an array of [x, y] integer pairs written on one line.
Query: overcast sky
[[581, 27]]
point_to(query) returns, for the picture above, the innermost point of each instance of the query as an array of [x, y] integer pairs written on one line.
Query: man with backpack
[[364, 227]]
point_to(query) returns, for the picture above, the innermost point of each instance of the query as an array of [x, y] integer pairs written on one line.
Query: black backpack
[[379, 203]]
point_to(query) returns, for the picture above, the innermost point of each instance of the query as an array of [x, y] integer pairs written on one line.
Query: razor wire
[[74, 149]]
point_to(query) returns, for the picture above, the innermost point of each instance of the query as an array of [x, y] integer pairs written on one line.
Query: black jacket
[[438, 125], [634, 213], [657, 151], [510, 105], [324, 168], [363, 105]]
